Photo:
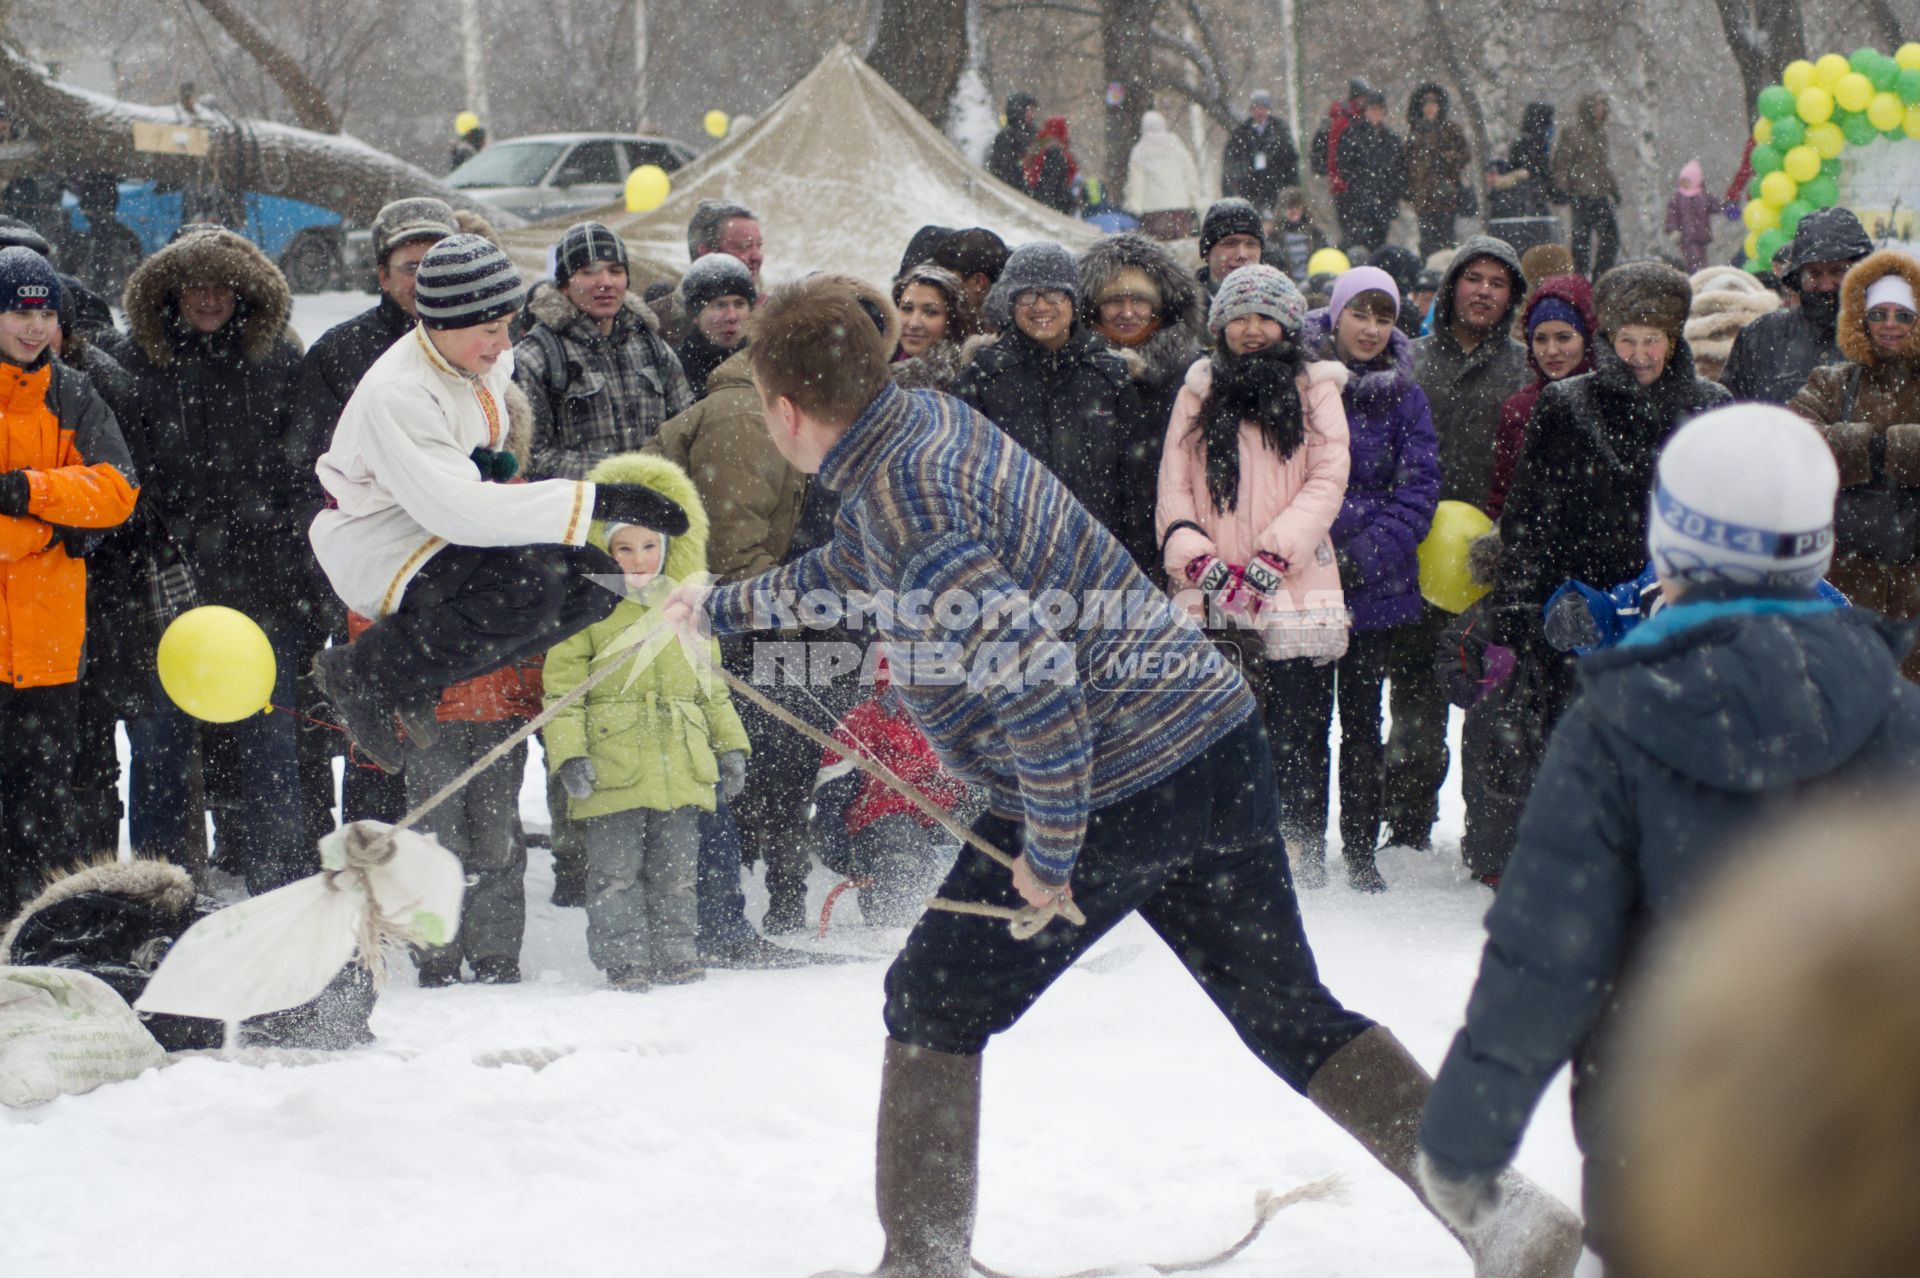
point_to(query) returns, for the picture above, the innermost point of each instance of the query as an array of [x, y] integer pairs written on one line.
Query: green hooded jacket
[[654, 738]]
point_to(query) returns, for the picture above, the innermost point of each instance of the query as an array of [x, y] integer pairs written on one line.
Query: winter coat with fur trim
[[1437, 156], [752, 495], [1885, 420], [403, 485], [1286, 506], [1466, 388], [594, 394], [1075, 409], [1517, 411], [1578, 506], [655, 734], [217, 438], [1393, 479]]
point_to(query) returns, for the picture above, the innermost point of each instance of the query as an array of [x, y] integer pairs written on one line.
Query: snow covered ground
[[726, 1128]]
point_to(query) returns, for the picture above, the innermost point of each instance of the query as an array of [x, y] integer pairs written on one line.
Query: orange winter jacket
[[54, 426]]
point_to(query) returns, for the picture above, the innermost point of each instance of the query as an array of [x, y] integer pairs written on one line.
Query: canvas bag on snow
[[63, 1033]]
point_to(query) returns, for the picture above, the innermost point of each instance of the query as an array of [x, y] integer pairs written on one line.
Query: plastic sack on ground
[[65, 1032]]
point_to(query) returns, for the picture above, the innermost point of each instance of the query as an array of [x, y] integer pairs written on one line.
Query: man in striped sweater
[[1123, 760]]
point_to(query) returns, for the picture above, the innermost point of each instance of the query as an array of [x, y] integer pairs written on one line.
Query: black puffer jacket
[[215, 435], [1578, 505], [1075, 409], [335, 364], [1773, 356], [1733, 709]]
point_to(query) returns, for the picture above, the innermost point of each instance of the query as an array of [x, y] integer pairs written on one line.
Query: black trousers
[[1363, 223], [1596, 236], [473, 609], [1299, 703], [1417, 754], [1436, 233], [1201, 858], [37, 745]]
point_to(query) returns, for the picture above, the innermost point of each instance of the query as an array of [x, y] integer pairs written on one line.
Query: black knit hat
[[27, 281], [13, 231], [712, 277], [584, 244], [1231, 216], [464, 281]]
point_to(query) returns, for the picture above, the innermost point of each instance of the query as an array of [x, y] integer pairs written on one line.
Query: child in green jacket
[[641, 754]]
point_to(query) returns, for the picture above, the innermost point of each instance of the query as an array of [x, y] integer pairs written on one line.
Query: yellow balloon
[[216, 664], [715, 123], [1826, 140], [1908, 56], [1815, 105], [1328, 261], [1911, 125], [1853, 92], [1762, 131], [647, 188], [1797, 75], [465, 123], [1778, 190], [1752, 245], [1828, 70], [1802, 164], [1760, 215], [1886, 111], [1445, 580]]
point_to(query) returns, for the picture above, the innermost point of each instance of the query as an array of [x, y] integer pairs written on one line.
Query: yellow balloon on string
[[647, 188], [715, 123], [216, 664]]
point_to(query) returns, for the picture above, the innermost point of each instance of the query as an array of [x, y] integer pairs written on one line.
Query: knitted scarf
[[1259, 388]]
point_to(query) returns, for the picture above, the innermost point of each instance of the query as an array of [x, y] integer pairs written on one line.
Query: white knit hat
[[1890, 289], [1744, 495]]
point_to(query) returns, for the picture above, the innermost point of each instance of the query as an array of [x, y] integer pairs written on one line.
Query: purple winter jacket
[[1392, 485]]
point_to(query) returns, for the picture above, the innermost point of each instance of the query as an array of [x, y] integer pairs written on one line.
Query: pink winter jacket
[[1285, 506]]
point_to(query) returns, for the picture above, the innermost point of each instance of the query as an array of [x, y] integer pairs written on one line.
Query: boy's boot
[[927, 1164], [1375, 1091], [358, 701]]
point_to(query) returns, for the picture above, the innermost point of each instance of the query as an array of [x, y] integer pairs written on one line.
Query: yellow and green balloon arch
[[1807, 122]]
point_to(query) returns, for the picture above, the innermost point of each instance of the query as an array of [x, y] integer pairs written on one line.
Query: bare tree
[[309, 103], [1764, 36], [920, 48]]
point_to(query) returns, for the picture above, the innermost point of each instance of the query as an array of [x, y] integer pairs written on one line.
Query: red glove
[[1264, 577], [1209, 572]]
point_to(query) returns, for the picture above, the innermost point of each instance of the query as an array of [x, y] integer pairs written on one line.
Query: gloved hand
[[15, 493], [1570, 624], [1496, 667], [1468, 1205], [1209, 572], [639, 504], [576, 775], [1263, 577], [498, 467], [733, 774]]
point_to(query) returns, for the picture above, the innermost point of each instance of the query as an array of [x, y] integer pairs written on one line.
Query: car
[[305, 240], [545, 175]]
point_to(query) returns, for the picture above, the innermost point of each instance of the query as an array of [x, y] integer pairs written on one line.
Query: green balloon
[[1884, 74], [1906, 84], [1790, 216], [1771, 242], [1823, 192], [1777, 102], [1863, 59], [1753, 187], [1766, 158], [1787, 134], [1830, 168], [1857, 129]]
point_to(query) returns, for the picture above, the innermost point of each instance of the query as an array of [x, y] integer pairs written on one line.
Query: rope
[[1266, 1205]]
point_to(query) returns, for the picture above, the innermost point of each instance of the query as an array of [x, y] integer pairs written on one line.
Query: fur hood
[[1852, 333], [551, 306], [687, 553], [159, 884], [1716, 318], [1162, 358], [935, 368], [152, 297], [1415, 119]]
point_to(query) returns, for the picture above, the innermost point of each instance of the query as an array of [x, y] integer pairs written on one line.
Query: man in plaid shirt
[[601, 380]]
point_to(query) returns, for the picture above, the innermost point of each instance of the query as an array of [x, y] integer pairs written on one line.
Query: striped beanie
[[584, 244], [464, 281]]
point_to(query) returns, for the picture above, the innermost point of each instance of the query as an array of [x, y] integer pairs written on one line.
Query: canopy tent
[[841, 172]]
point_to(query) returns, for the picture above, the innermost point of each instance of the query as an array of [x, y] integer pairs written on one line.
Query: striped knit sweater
[[1094, 693]]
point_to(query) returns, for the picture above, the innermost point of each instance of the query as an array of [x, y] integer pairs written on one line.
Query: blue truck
[[304, 239]]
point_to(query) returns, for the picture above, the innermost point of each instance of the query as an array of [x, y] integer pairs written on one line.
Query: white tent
[[841, 172]]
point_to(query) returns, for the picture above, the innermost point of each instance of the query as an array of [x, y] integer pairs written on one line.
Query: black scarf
[[1260, 388]]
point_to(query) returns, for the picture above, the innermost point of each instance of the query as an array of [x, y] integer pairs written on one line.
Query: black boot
[[786, 902], [927, 1166], [366, 716], [1363, 873]]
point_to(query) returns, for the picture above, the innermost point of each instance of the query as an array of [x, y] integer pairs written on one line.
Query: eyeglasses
[[1051, 298], [1890, 315]]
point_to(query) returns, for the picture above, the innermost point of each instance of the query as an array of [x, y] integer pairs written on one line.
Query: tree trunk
[[1126, 45], [1886, 24], [1441, 33], [473, 59], [1764, 36], [640, 102], [309, 104], [74, 131], [920, 48]]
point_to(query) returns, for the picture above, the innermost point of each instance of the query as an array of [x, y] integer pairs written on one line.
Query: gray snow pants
[[481, 826], [642, 903]]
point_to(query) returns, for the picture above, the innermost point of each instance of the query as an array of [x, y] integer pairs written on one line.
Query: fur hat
[[715, 276], [1257, 289], [1543, 260], [406, 221], [1725, 300], [1744, 495], [1031, 268], [1231, 216], [1650, 293]]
